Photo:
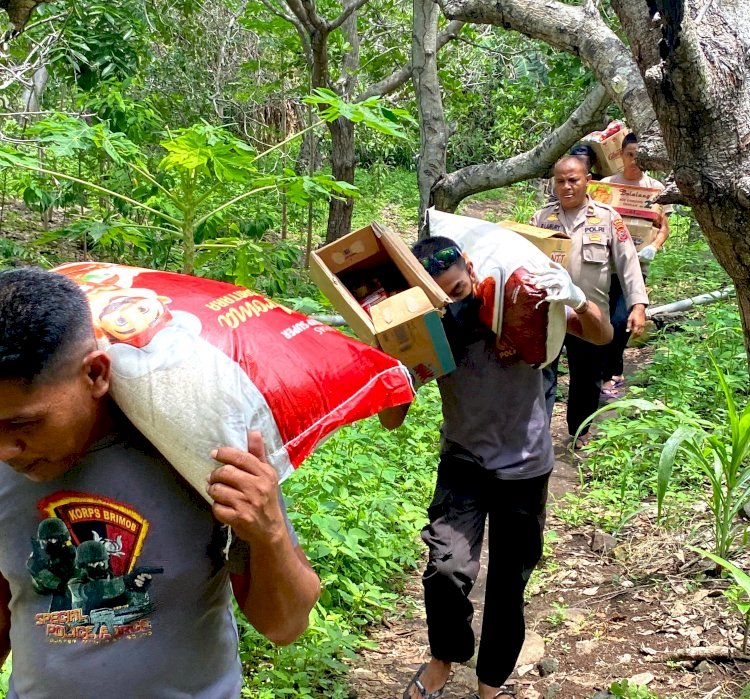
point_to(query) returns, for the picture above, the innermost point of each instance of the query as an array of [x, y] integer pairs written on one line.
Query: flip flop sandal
[[582, 441], [616, 383], [505, 691], [417, 682], [611, 392]]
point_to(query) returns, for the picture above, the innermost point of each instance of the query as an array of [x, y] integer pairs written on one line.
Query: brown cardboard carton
[[555, 244], [641, 230], [407, 325], [608, 149], [626, 199]]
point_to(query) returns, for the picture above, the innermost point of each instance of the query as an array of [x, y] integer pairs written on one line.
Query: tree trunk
[[433, 133], [695, 64], [342, 168], [32, 95], [309, 156]]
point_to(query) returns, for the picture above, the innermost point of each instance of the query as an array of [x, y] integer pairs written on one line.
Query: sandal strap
[[425, 694]]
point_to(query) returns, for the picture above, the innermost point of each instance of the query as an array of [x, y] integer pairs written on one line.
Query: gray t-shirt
[[79, 635], [495, 415]]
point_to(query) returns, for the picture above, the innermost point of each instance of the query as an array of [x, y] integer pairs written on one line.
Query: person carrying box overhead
[[632, 175], [496, 458], [600, 239]]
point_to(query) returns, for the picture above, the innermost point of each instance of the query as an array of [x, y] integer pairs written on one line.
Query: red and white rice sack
[[528, 328], [197, 363]]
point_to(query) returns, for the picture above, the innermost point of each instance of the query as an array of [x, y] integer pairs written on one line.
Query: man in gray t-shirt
[[113, 571], [496, 458]]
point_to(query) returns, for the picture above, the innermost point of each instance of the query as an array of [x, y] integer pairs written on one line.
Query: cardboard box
[[608, 150], [627, 199], [555, 244], [641, 230], [407, 325]]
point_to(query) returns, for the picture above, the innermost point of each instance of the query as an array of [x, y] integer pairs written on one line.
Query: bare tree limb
[[302, 30], [579, 30], [310, 11], [433, 132], [401, 76], [336, 23], [455, 186]]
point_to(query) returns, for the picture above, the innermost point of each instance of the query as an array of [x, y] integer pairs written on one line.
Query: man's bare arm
[[279, 587], [391, 418], [590, 324]]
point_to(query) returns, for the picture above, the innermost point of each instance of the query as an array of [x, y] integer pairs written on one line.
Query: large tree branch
[[455, 186], [306, 12], [336, 23], [401, 76], [579, 30]]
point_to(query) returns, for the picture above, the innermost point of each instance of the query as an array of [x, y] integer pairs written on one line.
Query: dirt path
[[593, 617]]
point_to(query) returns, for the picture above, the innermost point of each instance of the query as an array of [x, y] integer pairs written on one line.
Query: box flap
[[347, 252], [342, 299], [527, 229], [413, 272], [399, 308]]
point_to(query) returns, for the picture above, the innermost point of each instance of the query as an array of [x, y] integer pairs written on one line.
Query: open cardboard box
[[642, 231], [555, 244], [626, 199], [407, 325]]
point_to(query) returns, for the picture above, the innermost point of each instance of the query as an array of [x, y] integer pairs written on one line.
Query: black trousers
[[585, 367], [612, 363], [465, 495], [585, 371]]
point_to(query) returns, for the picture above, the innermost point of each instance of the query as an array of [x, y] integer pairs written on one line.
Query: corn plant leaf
[[739, 575], [666, 462]]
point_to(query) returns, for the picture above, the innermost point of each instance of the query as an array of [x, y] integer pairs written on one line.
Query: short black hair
[[571, 159], [586, 151], [629, 139], [44, 322], [427, 247]]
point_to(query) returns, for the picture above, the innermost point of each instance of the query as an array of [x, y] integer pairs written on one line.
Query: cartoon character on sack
[[145, 337], [100, 282]]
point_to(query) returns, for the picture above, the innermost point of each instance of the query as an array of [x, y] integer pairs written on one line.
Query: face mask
[[466, 311]]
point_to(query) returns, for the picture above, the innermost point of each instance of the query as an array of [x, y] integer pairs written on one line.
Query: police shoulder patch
[[622, 231]]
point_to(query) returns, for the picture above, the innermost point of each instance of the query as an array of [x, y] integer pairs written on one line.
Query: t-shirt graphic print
[[84, 558]]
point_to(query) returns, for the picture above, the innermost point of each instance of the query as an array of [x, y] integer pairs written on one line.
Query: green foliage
[[105, 40], [185, 194], [686, 267], [357, 505], [718, 450], [680, 388], [506, 93], [370, 112], [624, 689], [392, 198], [5, 676]]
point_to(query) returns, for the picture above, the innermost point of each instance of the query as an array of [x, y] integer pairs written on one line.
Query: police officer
[[600, 240]]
